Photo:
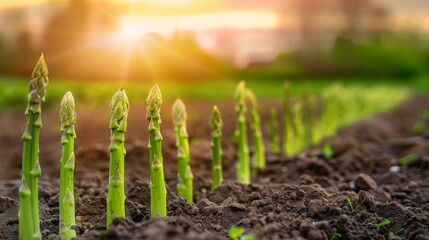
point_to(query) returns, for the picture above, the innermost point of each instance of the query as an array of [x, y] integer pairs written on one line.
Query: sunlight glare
[[164, 2]]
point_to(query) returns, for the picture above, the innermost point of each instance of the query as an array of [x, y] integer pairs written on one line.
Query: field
[[372, 184]]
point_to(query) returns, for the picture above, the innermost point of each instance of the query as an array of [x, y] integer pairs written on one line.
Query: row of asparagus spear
[[29, 227], [301, 127]]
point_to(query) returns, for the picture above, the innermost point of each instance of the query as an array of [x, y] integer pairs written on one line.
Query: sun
[[164, 2]]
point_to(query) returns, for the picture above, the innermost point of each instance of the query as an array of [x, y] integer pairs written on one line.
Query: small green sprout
[[328, 152], [372, 165], [335, 235], [349, 202], [419, 127], [383, 223], [407, 160], [399, 232], [236, 233]]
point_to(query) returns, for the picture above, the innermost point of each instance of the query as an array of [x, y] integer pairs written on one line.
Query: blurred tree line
[[360, 44]]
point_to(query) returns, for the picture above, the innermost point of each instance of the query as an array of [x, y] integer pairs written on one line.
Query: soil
[[303, 197]]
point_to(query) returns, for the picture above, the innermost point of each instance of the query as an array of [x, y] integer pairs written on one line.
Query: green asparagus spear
[[66, 201], [29, 225], [216, 132], [274, 132], [158, 192], [243, 166], [185, 185], [287, 119], [118, 126], [255, 123]]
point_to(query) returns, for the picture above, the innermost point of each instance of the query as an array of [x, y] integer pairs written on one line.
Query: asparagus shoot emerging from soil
[[255, 123], [66, 201], [119, 107], [185, 182], [158, 192], [216, 132], [29, 226], [243, 166], [274, 132], [286, 116]]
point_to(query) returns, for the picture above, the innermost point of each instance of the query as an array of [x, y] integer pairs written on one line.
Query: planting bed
[[303, 197]]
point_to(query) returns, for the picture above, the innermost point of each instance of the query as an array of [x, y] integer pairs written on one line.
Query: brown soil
[[304, 197]]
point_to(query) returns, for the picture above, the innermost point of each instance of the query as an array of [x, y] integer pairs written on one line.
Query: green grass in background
[[13, 91]]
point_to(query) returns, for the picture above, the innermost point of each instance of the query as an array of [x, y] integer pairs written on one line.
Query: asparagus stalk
[[274, 132], [216, 132], [68, 231], [287, 118], [255, 123], [29, 225], [158, 192], [118, 126], [185, 182], [66, 201], [243, 166]]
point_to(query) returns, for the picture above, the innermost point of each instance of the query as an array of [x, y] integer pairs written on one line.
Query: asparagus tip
[[179, 112], [216, 121], [67, 111], [41, 69]]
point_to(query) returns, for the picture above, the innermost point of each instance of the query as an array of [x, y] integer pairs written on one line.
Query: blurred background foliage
[[199, 40]]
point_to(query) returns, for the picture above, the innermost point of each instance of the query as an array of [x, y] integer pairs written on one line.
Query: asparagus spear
[[118, 126], [255, 123], [216, 132], [274, 132], [243, 166], [185, 183], [29, 225], [158, 192], [67, 209], [287, 119]]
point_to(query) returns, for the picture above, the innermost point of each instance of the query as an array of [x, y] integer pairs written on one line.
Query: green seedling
[[399, 232], [236, 233], [349, 202], [419, 127], [185, 177], [328, 152], [274, 132], [407, 160], [336, 235], [255, 126], [216, 133], [383, 223], [119, 108], [29, 225], [372, 165], [158, 192], [66, 201], [243, 165]]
